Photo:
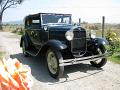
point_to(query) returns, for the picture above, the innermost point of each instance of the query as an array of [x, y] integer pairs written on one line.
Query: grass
[[17, 29], [115, 57], [2, 54], [18, 32]]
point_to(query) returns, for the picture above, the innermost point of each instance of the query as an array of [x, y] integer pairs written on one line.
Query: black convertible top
[[38, 14]]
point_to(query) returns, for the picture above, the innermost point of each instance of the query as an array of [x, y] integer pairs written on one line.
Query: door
[[33, 30], [37, 35]]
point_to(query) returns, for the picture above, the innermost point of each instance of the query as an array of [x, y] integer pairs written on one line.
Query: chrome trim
[[82, 59]]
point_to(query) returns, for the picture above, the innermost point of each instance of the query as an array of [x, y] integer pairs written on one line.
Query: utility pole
[[103, 26]]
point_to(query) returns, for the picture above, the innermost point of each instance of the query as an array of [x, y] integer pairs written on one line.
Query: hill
[[14, 22]]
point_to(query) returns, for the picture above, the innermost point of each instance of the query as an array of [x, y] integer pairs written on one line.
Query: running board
[[82, 59], [33, 52]]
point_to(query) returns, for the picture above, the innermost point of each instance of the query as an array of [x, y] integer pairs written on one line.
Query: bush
[[19, 31], [114, 40], [93, 27]]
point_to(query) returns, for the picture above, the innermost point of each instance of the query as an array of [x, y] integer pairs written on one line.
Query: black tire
[[59, 69], [24, 49], [101, 62]]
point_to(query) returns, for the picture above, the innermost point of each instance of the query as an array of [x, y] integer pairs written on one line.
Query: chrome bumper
[[82, 59]]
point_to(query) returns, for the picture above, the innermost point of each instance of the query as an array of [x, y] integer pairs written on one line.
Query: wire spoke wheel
[[100, 62], [52, 62], [53, 58]]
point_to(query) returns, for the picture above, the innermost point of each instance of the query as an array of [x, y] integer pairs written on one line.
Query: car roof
[[56, 13], [37, 15]]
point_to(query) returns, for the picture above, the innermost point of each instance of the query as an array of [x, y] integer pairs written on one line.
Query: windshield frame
[[66, 15]]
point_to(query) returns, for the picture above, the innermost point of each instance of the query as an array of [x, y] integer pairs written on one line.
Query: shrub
[[114, 40], [19, 31], [93, 27]]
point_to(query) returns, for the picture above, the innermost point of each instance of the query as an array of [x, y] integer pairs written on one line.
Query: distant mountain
[[14, 22]]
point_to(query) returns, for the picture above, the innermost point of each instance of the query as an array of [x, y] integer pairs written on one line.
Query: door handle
[[32, 32]]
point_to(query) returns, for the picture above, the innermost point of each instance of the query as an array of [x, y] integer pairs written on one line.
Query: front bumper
[[83, 59]]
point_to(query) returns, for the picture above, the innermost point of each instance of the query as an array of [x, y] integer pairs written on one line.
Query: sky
[[88, 10]]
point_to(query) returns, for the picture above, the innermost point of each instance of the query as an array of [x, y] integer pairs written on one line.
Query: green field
[[115, 57], [2, 54], [18, 29]]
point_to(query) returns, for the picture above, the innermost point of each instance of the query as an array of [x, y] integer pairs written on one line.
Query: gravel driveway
[[77, 77]]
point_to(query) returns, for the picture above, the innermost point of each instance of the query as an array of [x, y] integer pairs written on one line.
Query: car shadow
[[40, 72]]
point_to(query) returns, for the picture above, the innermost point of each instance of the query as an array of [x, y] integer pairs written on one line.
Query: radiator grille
[[79, 34], [78, 44]]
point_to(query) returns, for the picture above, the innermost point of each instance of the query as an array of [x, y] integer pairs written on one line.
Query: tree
[[5, 4]]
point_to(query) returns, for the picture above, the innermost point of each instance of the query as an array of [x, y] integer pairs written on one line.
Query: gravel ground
[[77, 77]]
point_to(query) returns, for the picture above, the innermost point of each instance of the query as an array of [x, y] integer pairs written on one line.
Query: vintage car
[[61, 42]]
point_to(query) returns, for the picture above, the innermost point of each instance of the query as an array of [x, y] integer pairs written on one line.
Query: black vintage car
[[61, 43]]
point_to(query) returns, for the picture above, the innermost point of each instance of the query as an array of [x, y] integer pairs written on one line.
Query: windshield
[[54, 18]]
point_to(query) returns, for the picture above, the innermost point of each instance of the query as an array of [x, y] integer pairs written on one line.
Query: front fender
[[101, 41], [93, 44], [56, 44]]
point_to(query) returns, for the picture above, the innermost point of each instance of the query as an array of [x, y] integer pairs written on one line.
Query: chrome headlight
[[69, 35], [93, 34]]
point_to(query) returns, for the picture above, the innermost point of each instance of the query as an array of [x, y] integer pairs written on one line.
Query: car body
[[61, 42]]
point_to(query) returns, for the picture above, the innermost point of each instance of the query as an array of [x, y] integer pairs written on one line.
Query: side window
[[27, 23], [66, 20], [32, 23], [35, 21], [59, 20], [35, 24]]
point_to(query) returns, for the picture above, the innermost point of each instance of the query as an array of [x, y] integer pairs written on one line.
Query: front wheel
[[100, 62], [53, 58]]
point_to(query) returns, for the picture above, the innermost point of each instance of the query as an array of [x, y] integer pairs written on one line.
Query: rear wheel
[[100, 62], [53, 58]]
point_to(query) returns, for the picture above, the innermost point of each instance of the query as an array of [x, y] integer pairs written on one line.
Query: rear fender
[[24, 38]]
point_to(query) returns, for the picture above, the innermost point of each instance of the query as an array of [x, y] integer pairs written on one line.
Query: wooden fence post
[[80, 21], [103, 26]]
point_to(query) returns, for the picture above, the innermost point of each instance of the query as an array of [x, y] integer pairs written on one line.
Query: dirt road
[[77, 77]]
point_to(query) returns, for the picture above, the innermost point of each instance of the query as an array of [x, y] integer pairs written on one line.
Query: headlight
[[69, 35], [93, 34]]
